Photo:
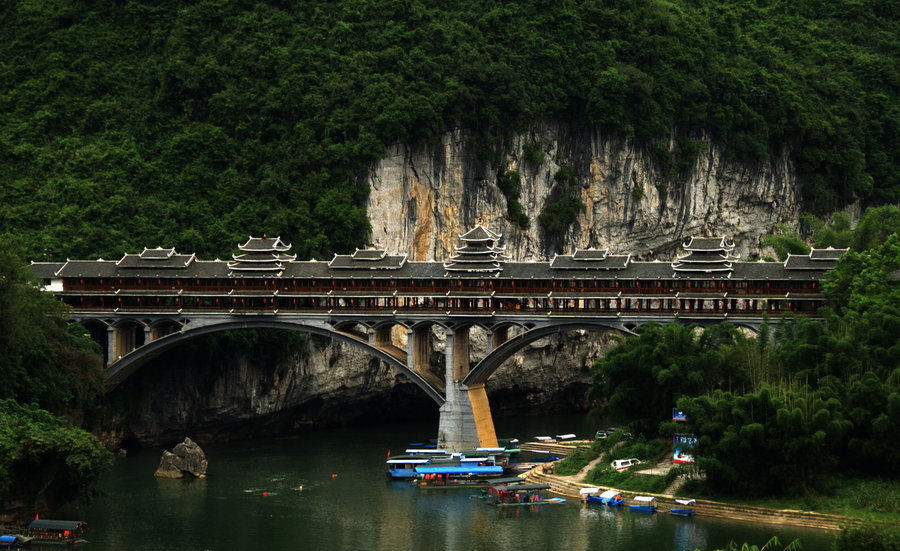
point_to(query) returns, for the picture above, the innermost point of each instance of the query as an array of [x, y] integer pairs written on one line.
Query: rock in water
[[185, 459]]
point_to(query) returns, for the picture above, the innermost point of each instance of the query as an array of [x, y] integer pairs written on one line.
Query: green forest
[[135, 124]]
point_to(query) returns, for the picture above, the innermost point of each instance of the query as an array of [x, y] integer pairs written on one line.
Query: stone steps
[[751, 513]]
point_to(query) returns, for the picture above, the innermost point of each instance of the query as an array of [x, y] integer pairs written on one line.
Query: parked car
[[622, 464], [600, 434]]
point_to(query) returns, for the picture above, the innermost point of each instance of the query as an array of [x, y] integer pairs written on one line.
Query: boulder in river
[[185, 459]]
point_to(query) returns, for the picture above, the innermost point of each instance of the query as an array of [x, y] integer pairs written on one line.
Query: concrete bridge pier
[[120, 341], [465, 418], [496, 337]]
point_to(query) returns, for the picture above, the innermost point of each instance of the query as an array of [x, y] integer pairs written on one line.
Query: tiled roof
[[351, 262], [427, 270], [264, 244], [566, 262], [590, 254], [368, 254], [817, 259], [827, 254], [708, 244], [46, 270], [480, 233], [156, 262], [157, 253]]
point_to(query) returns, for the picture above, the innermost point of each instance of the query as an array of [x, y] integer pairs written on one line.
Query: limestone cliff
[[421, 199]]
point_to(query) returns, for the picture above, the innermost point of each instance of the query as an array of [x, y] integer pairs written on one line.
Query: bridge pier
[[465, 417], [496, 337], [120, 341]]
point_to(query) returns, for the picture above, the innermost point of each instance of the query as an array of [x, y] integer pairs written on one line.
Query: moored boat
[[56, 532], [610, 498], [684, 510], [643, 504], [13, 541], [520, 494], [433, 476]]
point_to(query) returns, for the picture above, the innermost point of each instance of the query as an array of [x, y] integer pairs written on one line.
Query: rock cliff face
[[421, 200]]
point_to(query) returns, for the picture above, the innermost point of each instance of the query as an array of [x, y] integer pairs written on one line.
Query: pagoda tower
[[478, 252], [706, 255], [262, 257]]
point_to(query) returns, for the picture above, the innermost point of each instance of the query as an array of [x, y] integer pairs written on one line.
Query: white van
[[622, 464]]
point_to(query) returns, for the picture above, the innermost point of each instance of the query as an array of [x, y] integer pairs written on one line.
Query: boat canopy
[[584, 491], [46, 524], [565, 436], [418, 451], [610, 494], [542, 438], [408, 461], [473, 459], [644, 499], [521, 488], [490, 450], [685, 501], [474, 469], [508, 480]]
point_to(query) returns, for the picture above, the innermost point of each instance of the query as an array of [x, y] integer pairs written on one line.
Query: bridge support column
[[418, 354], [112, 352], [121, 341], [496, 338], [381, 338], [465, 421]]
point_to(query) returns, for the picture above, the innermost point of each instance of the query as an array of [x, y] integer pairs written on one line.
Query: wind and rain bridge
[[143, 304]]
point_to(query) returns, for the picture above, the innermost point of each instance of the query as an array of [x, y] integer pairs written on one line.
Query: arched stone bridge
[[457, 386]]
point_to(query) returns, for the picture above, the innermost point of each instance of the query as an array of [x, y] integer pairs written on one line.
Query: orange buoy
[[334, 476]]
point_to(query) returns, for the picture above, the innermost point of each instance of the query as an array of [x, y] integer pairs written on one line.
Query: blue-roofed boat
[[404, 466], [13, 541], [643, 504]]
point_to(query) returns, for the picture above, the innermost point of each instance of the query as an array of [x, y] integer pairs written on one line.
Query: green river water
[[358, 509]]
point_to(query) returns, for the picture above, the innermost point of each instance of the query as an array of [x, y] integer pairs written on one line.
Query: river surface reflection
[[346, 503]]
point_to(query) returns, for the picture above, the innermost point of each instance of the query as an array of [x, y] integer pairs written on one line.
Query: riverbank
[[569, 486]]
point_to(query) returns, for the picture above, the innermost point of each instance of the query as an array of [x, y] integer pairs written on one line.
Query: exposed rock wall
[[422, 198]]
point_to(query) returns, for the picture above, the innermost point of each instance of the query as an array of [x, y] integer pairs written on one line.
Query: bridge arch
[[491, 362], [130, 363]]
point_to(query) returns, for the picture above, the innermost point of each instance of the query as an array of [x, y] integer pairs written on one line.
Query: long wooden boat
[[517, 495], [56, 532], [464, 475]]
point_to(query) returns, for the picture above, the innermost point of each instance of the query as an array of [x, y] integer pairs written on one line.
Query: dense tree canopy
[[44, 359], [192, 124]]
